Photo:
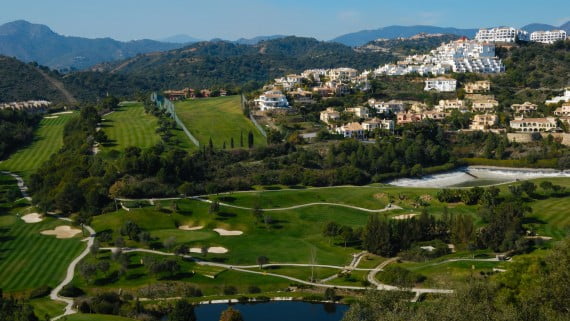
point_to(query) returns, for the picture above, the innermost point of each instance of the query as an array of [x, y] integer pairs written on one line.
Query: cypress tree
[[250, 139]]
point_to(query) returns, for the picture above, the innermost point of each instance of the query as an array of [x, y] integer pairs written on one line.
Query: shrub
[[71, 291], [230, 290], [253, 289], [40, 292]]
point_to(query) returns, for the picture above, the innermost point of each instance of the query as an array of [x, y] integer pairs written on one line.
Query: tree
[[250, 139], [262, 260], [94, 249], [528, 187], [214, 207], [347, 234], [241, 139], [231, 315], [182, 311], [182, 250], [130, 229], [211, 144], [330, 294], [232, 143], [331, 230], [88, 271], [119, 242]]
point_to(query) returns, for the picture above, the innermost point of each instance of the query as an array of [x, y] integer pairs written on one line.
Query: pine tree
[[241, 139], [250, 139], [232, 143]]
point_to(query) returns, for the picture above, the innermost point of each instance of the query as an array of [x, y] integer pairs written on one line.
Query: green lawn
[[129, 125], [48, 140], [28, 259], [94, 317], [218, 118]]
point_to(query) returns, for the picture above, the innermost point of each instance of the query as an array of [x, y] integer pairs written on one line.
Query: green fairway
[[218, 118], [129, 125], [29, 260], [48, 140]]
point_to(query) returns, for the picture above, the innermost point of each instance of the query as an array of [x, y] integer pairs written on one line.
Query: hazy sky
[[232, 19]]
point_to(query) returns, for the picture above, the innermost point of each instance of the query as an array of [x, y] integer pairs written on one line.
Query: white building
[[501, 34], [376, 123], [485, 105], [392, 106], [272, 100], [522, 124], [351, 130], [315, 74], [527, 107], [481, 86], [30, 104], [548, 36], [563, 98], [440, 84], [456, 56], [329, 115]]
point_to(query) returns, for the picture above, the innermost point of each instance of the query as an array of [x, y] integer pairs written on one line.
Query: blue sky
[[232, 19]]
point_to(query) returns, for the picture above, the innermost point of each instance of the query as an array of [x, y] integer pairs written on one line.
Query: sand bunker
[[63, 113], [404, 217], [190, 228], [32, 218], [62, 232], [539, 237], [215, 250], [51, 117], [223, 232]]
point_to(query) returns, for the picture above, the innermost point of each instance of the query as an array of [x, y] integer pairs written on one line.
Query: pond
[[478, 176], [276, 311]]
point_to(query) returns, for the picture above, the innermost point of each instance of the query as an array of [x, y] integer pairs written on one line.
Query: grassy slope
[[49, 139], [28, 259], [220, 118], [130, 126]]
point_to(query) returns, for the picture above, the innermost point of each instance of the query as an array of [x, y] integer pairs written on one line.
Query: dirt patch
[[190, 228], [426, 198], [62, 232], [223, 232], [215, 250], [380, 196], [539, 237], [51, 117], [404, 217], [32, 218]]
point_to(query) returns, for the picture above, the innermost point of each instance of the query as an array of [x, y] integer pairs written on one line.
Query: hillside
[[33, 42], [362, 37], [417, 44], [222, 63], [20, 81]]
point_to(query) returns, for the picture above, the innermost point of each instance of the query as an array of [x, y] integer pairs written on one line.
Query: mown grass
[[29, 260], [220, 119], [47, 307], [129, 125], [48, 140], [94, 317]]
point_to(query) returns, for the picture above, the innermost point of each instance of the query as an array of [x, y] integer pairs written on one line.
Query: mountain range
[[33, 42]]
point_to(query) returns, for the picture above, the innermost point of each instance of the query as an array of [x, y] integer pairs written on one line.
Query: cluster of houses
[[355, 129], [190, 93], [26, 105], [511, 35]]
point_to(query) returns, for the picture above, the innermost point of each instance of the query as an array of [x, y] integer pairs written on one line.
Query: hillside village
[[436, 70]]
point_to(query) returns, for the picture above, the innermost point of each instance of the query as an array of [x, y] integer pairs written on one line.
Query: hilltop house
[[376, 123], [272, 100], [351, 130], [441, 84], [410, 117], [392, 106], [452, 104], [360, 112], [185, 93]]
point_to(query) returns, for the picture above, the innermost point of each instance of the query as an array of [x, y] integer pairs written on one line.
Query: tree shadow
[[227, 199]]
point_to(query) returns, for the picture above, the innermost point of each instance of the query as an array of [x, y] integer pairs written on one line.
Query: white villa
[[329, 115], [548, 37], [392, 106], [563, 111], [441, 84], [522, 124], [501, 34], [527, 107], [273, 99], [376, 123], [485, 105], [30, 104], [484, 122], [351, 130], [563, 98]]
